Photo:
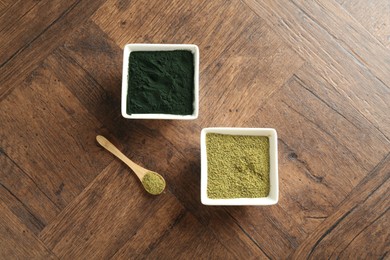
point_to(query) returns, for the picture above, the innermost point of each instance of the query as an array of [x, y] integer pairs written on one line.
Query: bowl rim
[[128, 48], [273, 196]]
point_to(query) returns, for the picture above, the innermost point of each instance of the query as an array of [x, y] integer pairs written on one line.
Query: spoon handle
[[138, 170]]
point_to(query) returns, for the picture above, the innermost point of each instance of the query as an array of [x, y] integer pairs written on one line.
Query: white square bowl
[[273, 196], [159, 47]]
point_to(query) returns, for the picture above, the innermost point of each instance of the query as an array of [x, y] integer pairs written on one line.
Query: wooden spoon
[[144, 175]]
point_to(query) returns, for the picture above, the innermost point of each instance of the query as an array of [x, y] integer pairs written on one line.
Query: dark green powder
[[161, 82], [237, 166]]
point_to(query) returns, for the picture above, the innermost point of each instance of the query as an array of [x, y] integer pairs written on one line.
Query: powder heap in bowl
[[161, 82], [238, 166]]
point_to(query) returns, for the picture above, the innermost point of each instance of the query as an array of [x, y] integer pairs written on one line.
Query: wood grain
[[371, 240], [31, 54], [54, 146], [17, 241], [316, 71], [365, 206], [151, 232], [374, 16], [231, 83], [8, 28], [3, 5], [25, 16], [97, 87], [348, 77], [188, 239], [24, 198], [350, 35]]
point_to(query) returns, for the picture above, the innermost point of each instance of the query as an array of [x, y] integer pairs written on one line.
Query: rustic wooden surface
[[317, 71]]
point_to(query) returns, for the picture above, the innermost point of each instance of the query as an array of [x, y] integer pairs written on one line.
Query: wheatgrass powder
[[153, 183], [237, 166]]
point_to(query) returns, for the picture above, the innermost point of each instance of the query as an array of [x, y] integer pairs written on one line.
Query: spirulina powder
[[161, 82], [237, 166]]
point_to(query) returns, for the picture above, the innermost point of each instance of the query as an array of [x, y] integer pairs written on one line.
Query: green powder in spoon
[[153, 183]]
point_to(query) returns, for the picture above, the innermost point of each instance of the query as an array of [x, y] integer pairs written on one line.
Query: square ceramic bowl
[[273, 196], [159, 47]]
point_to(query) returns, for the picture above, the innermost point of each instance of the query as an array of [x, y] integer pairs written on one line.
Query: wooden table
[[316, 71]]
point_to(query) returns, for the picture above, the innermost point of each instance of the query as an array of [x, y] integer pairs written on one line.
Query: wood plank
[[101, 101], [273, 229], [364, 209], [335, 117], [25, 14], [245, 75], [107, 214], [187, 240], [17, 241], [23, 197], [55, 144], [325, 89], [8, 2], [4, 6], [371, 242], [96, 54], [37, 49], [351, 35], [96, 70], [317, 46], [20, 210], [373, 15], [152, 231]]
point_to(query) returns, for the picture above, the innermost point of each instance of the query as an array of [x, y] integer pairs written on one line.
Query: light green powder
[[238, 166], [153, 182]]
